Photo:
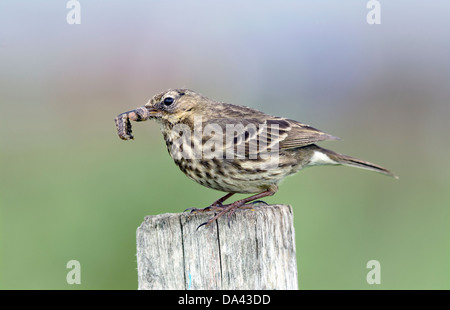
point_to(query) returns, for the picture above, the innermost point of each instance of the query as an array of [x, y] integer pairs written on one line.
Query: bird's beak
[[152, 111], [141, 114]]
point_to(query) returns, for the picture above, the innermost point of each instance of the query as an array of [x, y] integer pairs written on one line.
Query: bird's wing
[[251, 136], [301, 135]]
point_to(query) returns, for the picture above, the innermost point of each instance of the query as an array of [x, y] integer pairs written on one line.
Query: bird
[[232, 148]]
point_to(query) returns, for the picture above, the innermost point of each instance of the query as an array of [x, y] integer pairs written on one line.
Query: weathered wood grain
[[256, 251]]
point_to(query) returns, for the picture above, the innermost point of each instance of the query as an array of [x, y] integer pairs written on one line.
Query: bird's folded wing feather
[[262, 135], [301, 135]]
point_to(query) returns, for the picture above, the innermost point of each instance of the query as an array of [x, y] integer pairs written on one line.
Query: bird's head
[[175, 105]]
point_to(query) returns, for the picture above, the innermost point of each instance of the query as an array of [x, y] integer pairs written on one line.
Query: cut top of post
[[256, 251]]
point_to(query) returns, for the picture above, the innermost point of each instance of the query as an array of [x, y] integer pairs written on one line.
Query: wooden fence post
[[257, 251]]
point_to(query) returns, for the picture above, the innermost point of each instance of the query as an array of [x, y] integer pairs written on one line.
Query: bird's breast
[[232, 176]]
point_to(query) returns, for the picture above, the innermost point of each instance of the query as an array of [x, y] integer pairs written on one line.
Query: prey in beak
[[123, 120], [164, 106]]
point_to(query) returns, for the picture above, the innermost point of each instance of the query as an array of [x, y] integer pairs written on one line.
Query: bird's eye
[[168, 101]]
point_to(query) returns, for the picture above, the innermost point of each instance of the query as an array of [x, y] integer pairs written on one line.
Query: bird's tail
[[346, 160]]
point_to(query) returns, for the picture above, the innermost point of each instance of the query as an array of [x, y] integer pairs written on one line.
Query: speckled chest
[[228, 175]]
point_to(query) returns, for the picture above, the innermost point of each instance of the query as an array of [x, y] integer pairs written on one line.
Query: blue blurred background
[[71, 189]]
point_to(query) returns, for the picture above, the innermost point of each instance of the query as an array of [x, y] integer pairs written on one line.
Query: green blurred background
[[70, 189]]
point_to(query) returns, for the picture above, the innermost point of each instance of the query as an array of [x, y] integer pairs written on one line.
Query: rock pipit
[[234, 149]]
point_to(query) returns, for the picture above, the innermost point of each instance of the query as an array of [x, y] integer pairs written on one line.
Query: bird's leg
[[214, 206], [218, 202], [232, 207], [123, 123]]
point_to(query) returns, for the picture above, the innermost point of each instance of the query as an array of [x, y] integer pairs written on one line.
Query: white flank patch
[[320, 158]]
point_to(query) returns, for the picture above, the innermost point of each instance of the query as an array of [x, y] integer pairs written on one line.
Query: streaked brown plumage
[[249, 169]]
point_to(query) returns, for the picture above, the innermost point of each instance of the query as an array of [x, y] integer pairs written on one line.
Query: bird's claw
[[222, 209], [203, 224], [230, 209], [195, 210], [213, 207], [258, 202]]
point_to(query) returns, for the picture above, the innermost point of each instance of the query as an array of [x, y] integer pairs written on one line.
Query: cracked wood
[[257, 251]]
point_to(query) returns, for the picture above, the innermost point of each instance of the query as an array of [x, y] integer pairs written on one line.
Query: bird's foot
[[216, 206], [232, 207], [229, 209]]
